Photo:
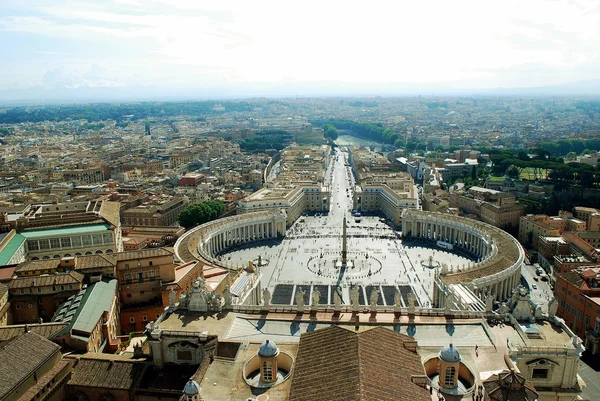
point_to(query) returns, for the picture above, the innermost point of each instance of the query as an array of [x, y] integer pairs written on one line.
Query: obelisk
[[344, 244]]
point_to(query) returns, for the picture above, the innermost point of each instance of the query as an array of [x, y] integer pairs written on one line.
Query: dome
[[268, 350], [450, 354], [191, 388]]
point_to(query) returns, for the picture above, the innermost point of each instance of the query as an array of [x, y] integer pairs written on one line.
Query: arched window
[[450, 374], [267, 371]]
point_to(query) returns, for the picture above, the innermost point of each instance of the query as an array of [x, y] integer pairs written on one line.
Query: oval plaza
[[307, 235]]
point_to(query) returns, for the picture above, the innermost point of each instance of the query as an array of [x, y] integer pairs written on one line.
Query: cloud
[[196, 43], [70, 77]]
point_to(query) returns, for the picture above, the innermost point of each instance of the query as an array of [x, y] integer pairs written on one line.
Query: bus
[[445, 245]]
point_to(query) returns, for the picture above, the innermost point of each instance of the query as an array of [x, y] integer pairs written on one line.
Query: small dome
[[191, 388], [268, 350], [450, 354]]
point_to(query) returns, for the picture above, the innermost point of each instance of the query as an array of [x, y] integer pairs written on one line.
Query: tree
[[330, 132], [571, 155], [200, 213], [513, 171]]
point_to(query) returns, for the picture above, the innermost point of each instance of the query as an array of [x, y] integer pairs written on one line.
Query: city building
[[38, 297], [52, 232], [92, 318], [578, 294], [531, 227], [32, 368], [155, 214]]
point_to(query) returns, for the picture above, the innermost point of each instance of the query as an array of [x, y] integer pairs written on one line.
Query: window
[[450, 373], [539, 374], [54, 243], [132, 320], [32, 245], [128, 295], [65, 242], [142, 292], [127, 265], [586, 320], [145, 318], [76, 241], [22, 291], [18, 307], [30, 306], [150, 263], [267, 371]]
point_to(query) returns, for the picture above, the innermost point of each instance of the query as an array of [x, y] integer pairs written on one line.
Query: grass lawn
[[529, 174]]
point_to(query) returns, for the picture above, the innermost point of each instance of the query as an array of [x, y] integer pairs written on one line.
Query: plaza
[[308, 257]]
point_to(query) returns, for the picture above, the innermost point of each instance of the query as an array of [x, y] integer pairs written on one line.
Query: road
[[540, 295]]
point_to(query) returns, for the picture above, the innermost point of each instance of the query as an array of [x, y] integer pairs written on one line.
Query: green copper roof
[[11, 248], [54, 232], [90, 306]]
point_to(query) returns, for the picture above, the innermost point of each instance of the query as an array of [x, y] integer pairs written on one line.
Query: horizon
[[71, 52]]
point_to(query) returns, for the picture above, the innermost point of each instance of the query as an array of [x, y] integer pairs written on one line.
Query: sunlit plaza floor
[[310, 254]]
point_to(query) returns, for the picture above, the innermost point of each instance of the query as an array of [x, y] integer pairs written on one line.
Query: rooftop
[[54, 232], [11, 248], [20, 356], [339, 364], [90, 306]]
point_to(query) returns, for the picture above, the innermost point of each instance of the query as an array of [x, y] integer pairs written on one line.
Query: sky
[[260, 47]]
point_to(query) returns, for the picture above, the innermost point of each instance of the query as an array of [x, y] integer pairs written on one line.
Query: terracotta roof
[[509, 386], [7, 272], [144, 253], [37, 265], [45, 330], [573, 278], [107, 374], [111, 211], [44, 380], [71, 277], [20, 357], [92, 262], [338, 364]]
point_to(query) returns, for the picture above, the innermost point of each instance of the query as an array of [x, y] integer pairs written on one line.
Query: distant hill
[[42, 96]]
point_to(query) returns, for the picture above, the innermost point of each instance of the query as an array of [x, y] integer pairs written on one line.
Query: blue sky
[[89, 44]]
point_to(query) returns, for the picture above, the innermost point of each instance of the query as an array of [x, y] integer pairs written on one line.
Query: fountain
[[431, 264]]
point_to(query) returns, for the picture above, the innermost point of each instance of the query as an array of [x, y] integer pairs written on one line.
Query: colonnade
[[440, 230], [498, 271], [240, 232]]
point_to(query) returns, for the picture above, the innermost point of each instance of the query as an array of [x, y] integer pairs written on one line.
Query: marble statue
[[373, 300], [266, 298], [315, 297], [354, 298], [337, 302], [299, 300], [172, 298], [227, 297], [411, 301], [397, 301], [489, 302]]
